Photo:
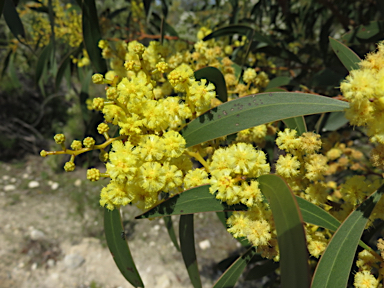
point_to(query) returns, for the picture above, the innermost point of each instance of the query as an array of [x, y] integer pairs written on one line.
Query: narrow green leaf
[[171, 232], [335, 121], [349, 58], [335, 264], [187, 246], [254, 110], [13, 20], [116, 13], [278, 82], [6, 63], [232, 274], [119, 247], [194, 200], [239, 29], [42, 61], [315, 215], [92, 35], [147, 8], [264, 269], [64, 65], [163, 25], [290, 232], [84, 94], [297, 123], [215, 76], [12, 73]]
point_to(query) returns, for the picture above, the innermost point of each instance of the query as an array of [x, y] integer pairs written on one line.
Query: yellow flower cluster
[[364, 90]]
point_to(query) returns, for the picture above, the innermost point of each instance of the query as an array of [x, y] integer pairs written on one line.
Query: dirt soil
[[51, 235]]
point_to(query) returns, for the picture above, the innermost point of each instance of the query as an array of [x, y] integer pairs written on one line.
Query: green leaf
[[194, 200], [349, 58], [370, 33], [240, 29], [163, 26], [254, 110], [215, 76], [64, 65], [187, 245], [335, 121], [92, 36], [13, 20], [297, 123], [171, 232], [232, 274], [315, 215], [264, 269], [147, 8], [119, 247], [290, 232], [42, 61], [335, 264], [84, 94], [278, 82]]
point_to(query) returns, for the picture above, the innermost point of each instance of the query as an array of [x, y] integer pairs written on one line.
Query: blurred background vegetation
[[48, 52]]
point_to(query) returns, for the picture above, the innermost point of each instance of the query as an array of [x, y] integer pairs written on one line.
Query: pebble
[[12, 180], [36, 235], [77, 183], [9, 187], [54, 185], [205, 244], [25, 176], [73, 261], [34, 266], [5, 177], [50, 263], [33, 184]]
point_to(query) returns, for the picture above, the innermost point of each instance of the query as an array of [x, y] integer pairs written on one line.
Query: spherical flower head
[[76, 145], [357, 188], [317, 244], [220, 160], [201, 46], [97, 79], [69, 166], [228, 50], [173, 177], [249, 75], [151, 177], [150, 148], [287, 140], [201, 94], [89, 142], [258, 232], [98, 104], [115, 195], [43, 153], [111, 93], [136, 47], [129, 65], [316, 166], [122, 166], [103, 44], [377, 156], [173, 143], [250, 194], [195, 178], [309, 143], [180, 77], [238, 224], [93, 174], [162, 67], [334, 153], [243, 158], [225, 186], [316, 193], [358, 85], [288, 166], [364, 279], [102, 128], [59, 138]]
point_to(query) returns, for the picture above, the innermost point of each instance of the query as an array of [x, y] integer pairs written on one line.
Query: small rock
[[77, 183], [50, 263], [205, 244], [9, 187], [54, 185], [34, 266], [5, 177], [72, 261], [37, 235], [156, 227], [12, 180], [25, 176], [33, 184]]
